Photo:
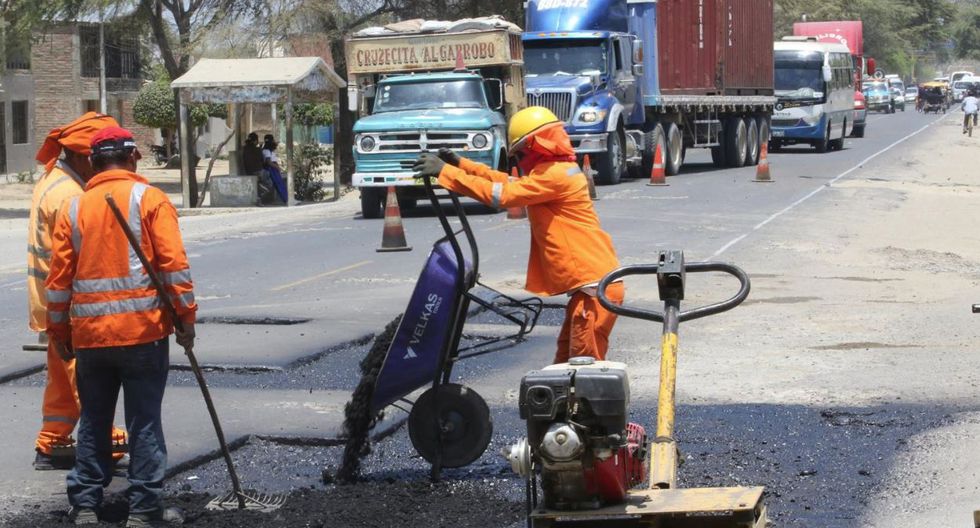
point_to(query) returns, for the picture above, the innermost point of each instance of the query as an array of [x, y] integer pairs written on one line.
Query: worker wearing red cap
[[570, 252], [102, 306], [65, 157]]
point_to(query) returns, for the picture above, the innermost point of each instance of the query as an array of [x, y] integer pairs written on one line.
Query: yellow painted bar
[[663, 465], [668, 381]]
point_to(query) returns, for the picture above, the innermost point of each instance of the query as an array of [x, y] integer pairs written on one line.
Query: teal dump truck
[[424, 87]]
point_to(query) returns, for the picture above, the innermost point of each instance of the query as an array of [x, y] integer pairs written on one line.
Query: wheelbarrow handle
[[687, 315]]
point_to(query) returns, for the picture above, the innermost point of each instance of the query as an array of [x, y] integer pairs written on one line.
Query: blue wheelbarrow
[[449, 424]]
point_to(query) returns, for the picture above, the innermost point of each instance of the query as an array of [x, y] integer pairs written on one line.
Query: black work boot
[[161, 517], [45, 462]]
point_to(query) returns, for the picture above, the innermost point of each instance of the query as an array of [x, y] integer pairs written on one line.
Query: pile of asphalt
[[359, 418]]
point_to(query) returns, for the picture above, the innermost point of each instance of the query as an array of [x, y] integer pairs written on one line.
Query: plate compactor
[[590, 462]]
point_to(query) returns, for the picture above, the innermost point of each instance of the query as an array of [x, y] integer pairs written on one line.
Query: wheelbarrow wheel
[[464, 420]]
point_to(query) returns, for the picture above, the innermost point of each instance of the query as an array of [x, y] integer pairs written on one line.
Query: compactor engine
[[578, 438]]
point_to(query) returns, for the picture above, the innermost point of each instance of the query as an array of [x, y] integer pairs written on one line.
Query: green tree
[[155, 107]]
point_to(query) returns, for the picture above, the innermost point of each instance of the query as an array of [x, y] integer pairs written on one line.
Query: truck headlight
[[480, 141], [591, 116], [367, 143]]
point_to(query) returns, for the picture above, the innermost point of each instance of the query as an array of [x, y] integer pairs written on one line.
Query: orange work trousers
[[61, 407], [588, 325]]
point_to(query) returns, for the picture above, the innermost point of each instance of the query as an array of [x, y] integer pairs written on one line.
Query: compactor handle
[[688, 315], [976, 308]]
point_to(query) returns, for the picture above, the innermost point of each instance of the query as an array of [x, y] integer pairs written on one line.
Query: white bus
[[814, 92]]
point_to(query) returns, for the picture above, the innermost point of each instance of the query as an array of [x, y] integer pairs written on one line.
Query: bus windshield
[[393, 97], [799, 76], [565, 57]]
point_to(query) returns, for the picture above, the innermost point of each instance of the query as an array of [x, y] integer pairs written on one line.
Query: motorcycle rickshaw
[[933, 97]]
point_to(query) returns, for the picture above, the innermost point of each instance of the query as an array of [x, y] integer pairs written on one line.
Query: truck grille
[[425, 141], [558, 102]]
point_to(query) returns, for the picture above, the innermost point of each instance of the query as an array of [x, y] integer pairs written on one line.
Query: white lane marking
[[816, 191]]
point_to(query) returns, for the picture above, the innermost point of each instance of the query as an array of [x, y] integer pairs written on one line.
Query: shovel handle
[[195, 367]]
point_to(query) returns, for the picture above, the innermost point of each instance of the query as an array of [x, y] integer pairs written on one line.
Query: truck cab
[[423, 91], [587, 79]]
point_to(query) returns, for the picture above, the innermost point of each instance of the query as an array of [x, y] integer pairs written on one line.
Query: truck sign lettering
[[429, 53], [544, 5]]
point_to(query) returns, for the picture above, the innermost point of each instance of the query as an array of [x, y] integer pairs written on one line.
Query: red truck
[[847, 32]]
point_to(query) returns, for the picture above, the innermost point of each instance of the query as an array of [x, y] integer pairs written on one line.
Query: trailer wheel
[[612, 164], [736, 136], [372, 202], [650, 141], [464, 421], [752, 143], [718, 156], [674, 153]]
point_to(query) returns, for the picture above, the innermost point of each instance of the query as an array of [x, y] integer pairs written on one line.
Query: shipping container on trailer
[[628, 76]]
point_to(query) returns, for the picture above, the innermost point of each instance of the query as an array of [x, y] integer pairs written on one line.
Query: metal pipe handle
[[687, 315]]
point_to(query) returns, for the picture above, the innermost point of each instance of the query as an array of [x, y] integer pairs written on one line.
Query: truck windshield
[[799, 75], [433, 94], [566, 57]]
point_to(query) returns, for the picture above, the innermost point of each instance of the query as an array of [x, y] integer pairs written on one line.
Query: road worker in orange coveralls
[[65, 157], [570, 252]]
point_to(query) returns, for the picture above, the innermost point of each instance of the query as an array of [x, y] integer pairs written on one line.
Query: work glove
[[185, 337], [63, 350], [449, 156], [428, 165]]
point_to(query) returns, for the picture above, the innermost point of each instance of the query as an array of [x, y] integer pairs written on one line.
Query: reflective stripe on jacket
[[569, 249], [97, 289], [54, 188]]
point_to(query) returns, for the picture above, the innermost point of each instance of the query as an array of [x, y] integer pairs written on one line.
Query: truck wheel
[[736, 136], [858, 131], [823, 144], [650, 141], [752, 143], [612, 164], [718, 157], [675, 149], [372, 203], [838, 144]]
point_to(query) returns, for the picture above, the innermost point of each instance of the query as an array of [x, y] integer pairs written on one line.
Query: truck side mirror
[[353, 98], [495, 93], [637, 51], [828, 74]]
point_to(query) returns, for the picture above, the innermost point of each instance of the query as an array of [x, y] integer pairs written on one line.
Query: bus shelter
[[282, 81]]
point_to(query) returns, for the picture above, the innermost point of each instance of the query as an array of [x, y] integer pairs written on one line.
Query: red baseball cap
[[110, 139]]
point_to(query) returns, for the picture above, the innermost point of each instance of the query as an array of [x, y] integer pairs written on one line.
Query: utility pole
[[103, 103]]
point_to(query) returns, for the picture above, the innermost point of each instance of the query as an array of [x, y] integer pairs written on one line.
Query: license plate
[[778, 133]]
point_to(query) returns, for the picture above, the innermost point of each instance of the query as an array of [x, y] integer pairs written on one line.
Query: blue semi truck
[[421, 88], [627, 76]]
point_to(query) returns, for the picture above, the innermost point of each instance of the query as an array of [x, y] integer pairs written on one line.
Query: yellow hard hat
[[528, 121]]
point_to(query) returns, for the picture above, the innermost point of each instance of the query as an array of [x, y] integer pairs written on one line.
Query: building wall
[[61, 94]]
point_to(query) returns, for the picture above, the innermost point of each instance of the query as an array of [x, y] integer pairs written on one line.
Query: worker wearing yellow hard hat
[[570, 251]]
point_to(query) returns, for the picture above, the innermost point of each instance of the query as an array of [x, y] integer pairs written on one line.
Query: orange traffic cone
[[393, 236], [516, 213], [587, 169], [658, 176], [762, 172]]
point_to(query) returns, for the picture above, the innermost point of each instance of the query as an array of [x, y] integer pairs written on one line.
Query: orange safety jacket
[[569, 249], [55, 188], [98, 293]]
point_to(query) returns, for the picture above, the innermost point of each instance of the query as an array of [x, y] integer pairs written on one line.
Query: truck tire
[[718, 157], [752, 145], [612, 164], [822, 145], [650, 141], [858, 131], [675, 149], [838, 144], [372, 202], [736, 135]]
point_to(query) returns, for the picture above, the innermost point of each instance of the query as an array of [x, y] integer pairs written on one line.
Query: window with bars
[[121, 54], [20, 125]]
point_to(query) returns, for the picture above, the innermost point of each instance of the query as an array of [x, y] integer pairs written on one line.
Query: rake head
[[260, 502]]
